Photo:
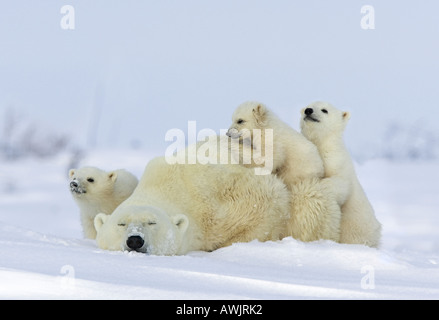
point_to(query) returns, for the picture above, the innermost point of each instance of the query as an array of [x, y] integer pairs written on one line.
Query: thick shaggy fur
[[324, 125], [96, 191], [177, 208], [205, 207], [314, 212], [295, 158]]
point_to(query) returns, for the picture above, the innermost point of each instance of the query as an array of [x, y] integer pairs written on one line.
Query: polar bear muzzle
[[135, 242], [135, 238], [233, 133], [76, 187], [308, 115]]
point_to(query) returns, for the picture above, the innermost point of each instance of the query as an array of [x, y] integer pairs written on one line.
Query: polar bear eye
[[151, 223], [240, 121], [91, 180], [121, 224], [324, 111]]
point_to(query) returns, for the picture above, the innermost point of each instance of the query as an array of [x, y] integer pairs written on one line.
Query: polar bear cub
[[294, 158], [96, 191], [324, 125]]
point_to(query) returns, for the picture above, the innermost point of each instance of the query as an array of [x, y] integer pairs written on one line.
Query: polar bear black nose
[[73, 184], [135, 242], [308, 111]]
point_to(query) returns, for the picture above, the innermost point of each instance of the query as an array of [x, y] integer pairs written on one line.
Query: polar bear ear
[[71, 173], [100, 220], [260, 113], [346, 116], [181, 221], [112, 175]]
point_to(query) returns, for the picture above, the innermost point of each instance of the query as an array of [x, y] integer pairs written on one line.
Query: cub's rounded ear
[[181, 221], [112, 175], [260, 113], [346, 116], [71, 173], [100, 220]]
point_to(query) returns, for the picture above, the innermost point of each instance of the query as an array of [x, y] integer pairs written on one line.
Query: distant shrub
[[22, 138], [415, 142]]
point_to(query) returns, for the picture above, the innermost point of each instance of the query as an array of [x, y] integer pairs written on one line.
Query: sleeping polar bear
[[178, 208]]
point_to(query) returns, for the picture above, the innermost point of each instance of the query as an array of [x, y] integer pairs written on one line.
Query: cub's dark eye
[[121, 224], [91, 180], [151, 223], [324, 111], [240, 121]]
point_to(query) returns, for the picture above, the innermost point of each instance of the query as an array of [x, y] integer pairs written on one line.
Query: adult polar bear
[[323, 124], [178, 208]]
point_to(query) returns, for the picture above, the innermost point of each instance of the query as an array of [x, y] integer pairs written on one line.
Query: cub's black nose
[[73, 184], [135, 242], [308, 111]]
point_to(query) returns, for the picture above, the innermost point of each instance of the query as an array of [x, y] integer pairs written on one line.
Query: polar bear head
[[91, 182], [246, 117], [144, 229], [320, 120]]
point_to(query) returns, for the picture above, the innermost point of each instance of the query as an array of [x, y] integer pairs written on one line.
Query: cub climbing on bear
[[324, 125], [294, 157], [314, 212]]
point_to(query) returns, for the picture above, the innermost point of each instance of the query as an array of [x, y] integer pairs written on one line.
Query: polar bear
[[96, 191], [324, 125], [294, 157], [178, 208]]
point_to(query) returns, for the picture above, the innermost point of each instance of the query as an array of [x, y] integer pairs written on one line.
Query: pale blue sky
[[150, 66]]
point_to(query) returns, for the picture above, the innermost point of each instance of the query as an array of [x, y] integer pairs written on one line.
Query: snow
[[44, 256], [132, 71]]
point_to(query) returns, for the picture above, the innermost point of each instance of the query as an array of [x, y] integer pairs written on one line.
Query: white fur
[[324, 125], [209, 206], [95, 191], [197, 207], [295, 158]]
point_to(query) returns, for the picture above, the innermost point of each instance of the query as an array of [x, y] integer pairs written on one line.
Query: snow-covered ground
[[43, 254]]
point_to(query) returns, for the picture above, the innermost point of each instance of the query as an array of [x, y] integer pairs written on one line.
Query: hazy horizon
[[130, 71]]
